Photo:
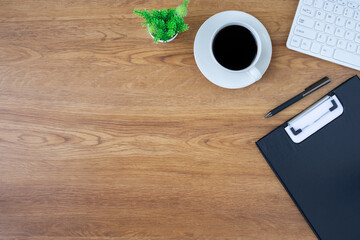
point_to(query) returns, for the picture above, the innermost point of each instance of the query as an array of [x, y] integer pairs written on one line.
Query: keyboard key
[[321, 37], [329, 29], [320, 15], [348, 12], [347, 57], [330, 18], [328, 6], [338, 9], [320, 26], [305, 44], [350, 24], [295, 41], [349, 35], [340, 32], [341, 44], [319, 3], [305, 32], [331, 41], [357, 16], [305, 21], [357, 38], [308, 2], [307, 11], [315, 47], [351, 47], [340, 21], [352, 5], [342, 2], [327, 51], [358, 27]]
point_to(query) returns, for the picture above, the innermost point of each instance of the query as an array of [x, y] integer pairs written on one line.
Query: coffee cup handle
[[255, 74]]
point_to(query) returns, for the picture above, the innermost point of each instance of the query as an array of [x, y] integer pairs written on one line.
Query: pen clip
[[313, 87], [320, 82]]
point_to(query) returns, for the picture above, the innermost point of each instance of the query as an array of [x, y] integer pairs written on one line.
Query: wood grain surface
[[106, 135]]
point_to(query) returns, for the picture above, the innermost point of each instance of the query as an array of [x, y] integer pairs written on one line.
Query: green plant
[[165, 23]]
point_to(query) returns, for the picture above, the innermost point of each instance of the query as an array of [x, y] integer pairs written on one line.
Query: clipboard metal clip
[[314, 118]]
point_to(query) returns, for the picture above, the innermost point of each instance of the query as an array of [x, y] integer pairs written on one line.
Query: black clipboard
[[316, 157]]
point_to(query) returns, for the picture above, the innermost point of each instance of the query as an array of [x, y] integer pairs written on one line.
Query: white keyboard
[[328, 29]]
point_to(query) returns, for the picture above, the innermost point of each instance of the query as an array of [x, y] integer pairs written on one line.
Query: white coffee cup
[[212, 69]]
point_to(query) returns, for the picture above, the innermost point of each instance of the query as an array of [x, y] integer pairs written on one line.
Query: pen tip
[[268, 115]]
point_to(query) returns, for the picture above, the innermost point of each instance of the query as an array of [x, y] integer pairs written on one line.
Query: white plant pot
[[162, 40]]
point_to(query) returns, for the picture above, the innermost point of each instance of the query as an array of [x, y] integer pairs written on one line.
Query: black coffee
[[234, 47]]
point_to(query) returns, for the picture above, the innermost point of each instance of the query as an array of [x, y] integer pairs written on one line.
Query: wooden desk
[[106, 135]]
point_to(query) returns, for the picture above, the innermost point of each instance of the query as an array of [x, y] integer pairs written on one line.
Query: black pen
[[308, 90]]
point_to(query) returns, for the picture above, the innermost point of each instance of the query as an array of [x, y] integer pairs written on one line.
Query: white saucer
[[206, 61]]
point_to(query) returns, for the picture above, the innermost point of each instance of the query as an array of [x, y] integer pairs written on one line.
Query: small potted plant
[[165, 24]]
